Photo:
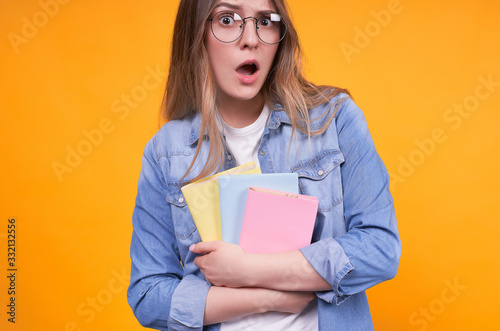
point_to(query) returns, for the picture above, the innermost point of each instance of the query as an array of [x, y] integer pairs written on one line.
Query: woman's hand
[[223, 264]]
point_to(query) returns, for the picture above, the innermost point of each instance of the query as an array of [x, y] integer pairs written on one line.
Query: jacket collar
[[277, 117], [318, 117]]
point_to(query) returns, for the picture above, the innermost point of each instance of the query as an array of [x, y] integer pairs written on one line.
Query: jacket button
[[181, 200], [262, 153], [321, 172], [229, 157]]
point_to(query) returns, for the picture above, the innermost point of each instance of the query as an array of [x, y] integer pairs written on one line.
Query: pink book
[[276, 221]]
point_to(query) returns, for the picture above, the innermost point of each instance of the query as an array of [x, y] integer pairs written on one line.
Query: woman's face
[[241, 67]]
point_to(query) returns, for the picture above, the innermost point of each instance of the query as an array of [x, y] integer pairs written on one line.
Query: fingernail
[[191, 248]]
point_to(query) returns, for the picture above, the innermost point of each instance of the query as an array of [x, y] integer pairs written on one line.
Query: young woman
[[235, 94]]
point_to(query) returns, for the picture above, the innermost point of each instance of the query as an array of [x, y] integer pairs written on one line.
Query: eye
[[228, 18], [269, 20], [265, 22]]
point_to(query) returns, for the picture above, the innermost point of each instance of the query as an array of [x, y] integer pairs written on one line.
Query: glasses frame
[[211, 19]]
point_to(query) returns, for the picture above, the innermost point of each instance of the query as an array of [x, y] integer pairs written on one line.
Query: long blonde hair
[[191, 88]]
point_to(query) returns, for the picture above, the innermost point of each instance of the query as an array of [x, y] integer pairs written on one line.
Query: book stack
[[263, 213]]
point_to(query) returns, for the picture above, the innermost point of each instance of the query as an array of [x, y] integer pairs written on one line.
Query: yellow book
[[202, 198]]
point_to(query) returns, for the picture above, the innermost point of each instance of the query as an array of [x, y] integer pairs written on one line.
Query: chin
[[247, 95]]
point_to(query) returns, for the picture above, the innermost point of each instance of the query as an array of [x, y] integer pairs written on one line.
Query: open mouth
[[247, 69]]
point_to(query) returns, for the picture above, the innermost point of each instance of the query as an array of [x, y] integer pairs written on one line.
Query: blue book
[[233, 190]]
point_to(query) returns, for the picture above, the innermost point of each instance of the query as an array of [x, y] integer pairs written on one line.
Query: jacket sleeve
[[368, 253], [159, 295]]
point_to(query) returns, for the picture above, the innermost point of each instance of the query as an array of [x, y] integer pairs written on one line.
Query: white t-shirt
[[244, 144]]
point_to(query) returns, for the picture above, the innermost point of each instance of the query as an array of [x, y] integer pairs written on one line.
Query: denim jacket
[[355, 242]]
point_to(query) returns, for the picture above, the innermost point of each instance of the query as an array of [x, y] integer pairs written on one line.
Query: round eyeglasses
[[228, 26]]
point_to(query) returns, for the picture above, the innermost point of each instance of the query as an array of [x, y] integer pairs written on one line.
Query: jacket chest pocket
[[183, 222], [320, 176]]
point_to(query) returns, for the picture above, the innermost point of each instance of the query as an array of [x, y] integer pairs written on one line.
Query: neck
[[240, 113]]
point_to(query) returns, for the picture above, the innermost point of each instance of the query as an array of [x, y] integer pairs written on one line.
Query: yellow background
[[69, 75]]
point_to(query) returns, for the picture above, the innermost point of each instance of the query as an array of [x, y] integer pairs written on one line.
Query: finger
[[197, 261], [204, 247]]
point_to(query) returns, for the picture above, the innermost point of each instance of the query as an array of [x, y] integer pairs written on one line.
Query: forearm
[[225, 303], [285, 271]]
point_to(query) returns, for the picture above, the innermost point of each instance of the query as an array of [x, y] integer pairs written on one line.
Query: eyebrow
[[236, 7], [229, 5]]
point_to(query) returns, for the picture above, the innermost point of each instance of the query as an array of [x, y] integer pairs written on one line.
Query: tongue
[[247, 69]]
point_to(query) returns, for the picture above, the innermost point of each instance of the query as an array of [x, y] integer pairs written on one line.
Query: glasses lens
[[271, 28], [227, 26]]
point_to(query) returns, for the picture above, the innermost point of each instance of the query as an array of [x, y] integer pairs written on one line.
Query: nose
[[249, 37]]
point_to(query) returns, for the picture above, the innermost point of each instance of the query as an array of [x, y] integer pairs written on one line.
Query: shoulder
[[342, 107], [174, 137]]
